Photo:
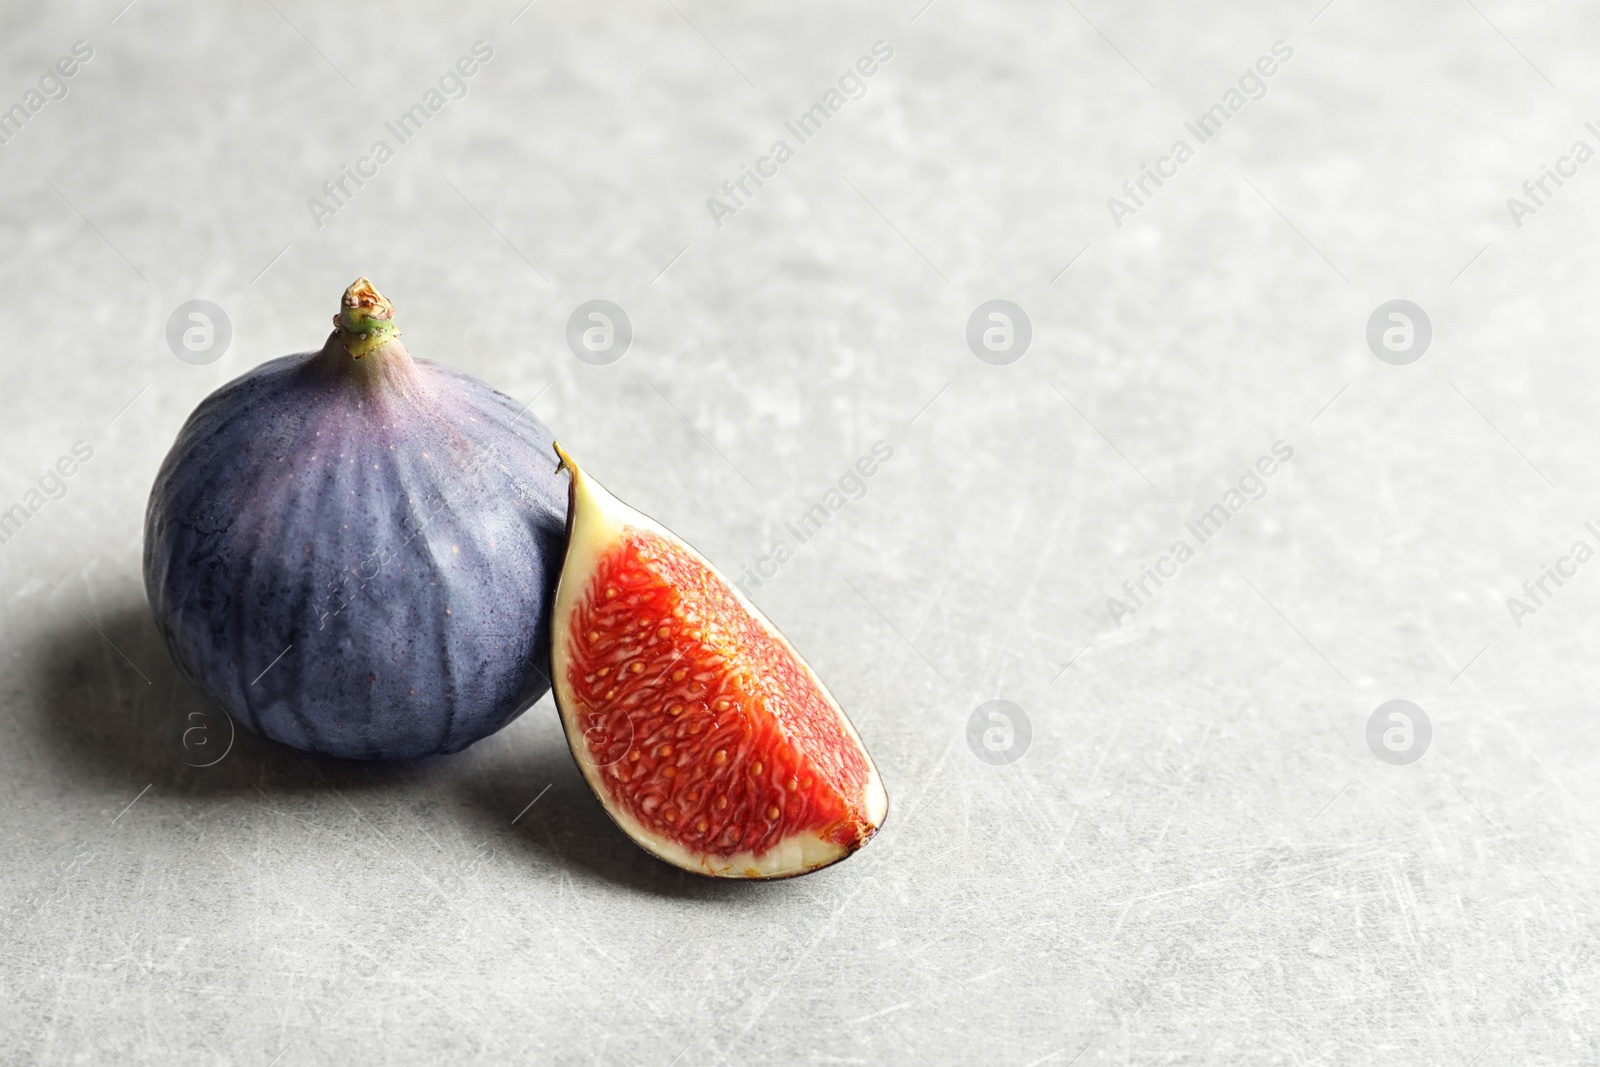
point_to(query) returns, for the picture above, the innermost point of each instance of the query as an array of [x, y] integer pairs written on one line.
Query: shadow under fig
[[115, 709]]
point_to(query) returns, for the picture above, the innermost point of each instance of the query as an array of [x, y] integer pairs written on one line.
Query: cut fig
[[705, 736]]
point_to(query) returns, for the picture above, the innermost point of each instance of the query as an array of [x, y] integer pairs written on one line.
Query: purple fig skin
[[357, 555]]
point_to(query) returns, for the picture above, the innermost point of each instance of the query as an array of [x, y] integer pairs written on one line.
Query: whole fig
[[355, 552]]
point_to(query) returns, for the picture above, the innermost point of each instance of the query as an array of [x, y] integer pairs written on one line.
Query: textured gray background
[[1197, 860]]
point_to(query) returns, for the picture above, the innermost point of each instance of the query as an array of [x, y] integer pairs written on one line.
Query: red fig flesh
[[703, 733]]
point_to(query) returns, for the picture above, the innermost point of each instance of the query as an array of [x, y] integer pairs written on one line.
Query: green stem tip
[[365, 319]]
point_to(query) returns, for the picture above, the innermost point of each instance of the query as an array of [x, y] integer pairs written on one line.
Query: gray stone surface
[[1198, 859]]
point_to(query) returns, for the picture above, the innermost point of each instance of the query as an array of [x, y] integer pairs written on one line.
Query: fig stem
[[365, 319]]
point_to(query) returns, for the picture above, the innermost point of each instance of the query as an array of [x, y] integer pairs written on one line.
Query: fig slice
[[704, 735]]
